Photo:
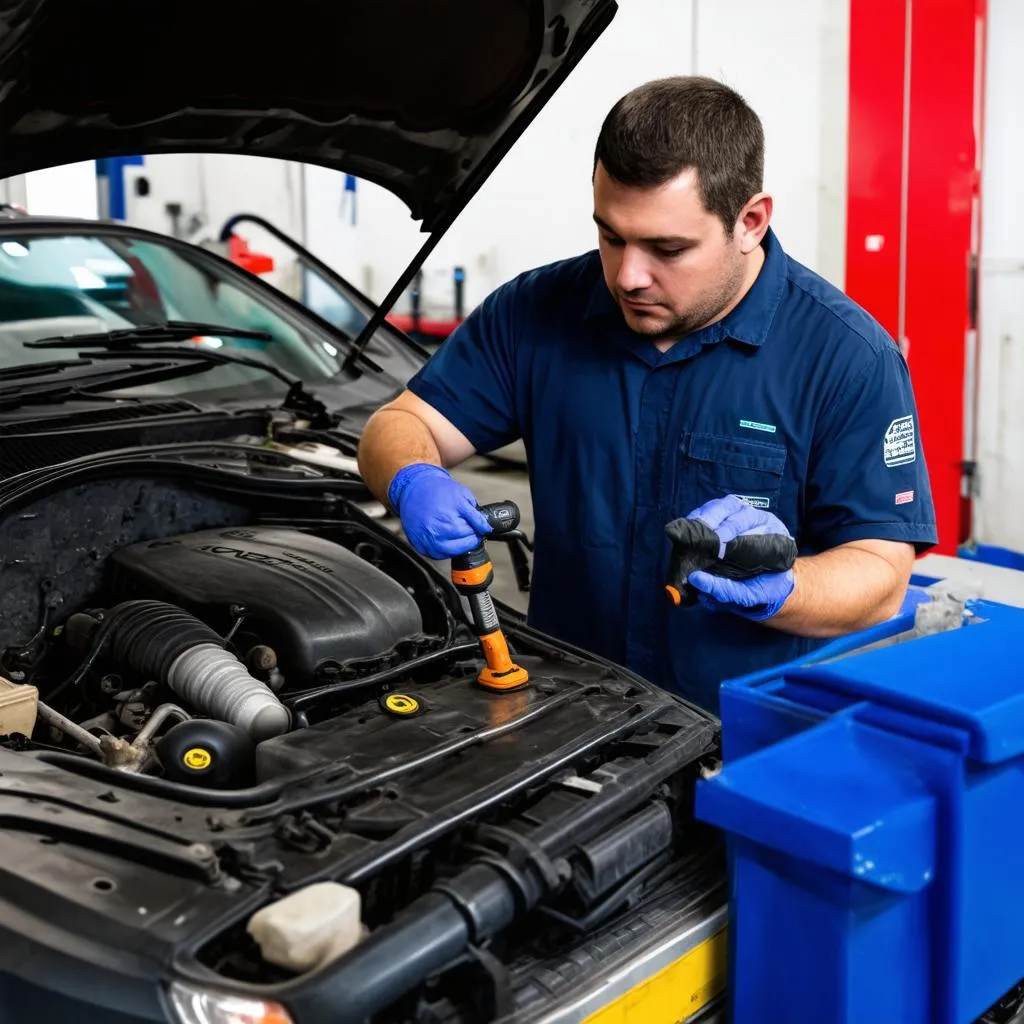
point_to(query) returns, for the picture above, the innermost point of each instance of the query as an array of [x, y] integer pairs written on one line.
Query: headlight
[[199, 1006]]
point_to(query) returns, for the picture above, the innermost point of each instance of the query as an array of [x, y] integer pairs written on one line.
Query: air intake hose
[[165, 642]]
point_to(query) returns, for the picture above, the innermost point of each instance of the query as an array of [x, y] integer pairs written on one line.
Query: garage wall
[[1000, 419], [68, 191], [12, 190], [537, 207], [789, 58]]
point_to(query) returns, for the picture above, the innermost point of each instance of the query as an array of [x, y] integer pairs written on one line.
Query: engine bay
[[206, 632], [275, 679]]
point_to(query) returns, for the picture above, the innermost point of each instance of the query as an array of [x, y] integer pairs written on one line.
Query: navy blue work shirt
[[797, 401]]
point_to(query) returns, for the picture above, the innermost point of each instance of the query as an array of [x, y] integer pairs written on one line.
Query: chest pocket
[[714, 465]]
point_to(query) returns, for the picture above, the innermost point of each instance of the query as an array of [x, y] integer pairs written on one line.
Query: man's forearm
[[841, 591], [393, 438]]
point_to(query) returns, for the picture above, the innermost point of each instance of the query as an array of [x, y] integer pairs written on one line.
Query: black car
[[254, 364], [250, 770]]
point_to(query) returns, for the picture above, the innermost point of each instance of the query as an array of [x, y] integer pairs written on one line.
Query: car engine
[[226, 656], [206, 622]]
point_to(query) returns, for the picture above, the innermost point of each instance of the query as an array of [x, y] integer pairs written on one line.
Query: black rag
[[696, 547]]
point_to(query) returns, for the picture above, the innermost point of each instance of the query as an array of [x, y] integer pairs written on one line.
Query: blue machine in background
[[872, 799]]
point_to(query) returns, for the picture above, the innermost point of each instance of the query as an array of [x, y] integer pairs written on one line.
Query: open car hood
[[423, 98]]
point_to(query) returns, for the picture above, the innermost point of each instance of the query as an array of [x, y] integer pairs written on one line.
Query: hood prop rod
[[403, 282]]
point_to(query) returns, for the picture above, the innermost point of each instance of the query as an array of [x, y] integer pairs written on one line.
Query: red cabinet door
[[913, 212]]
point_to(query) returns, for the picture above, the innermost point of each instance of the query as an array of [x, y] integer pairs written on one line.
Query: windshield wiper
[[116, 344], [29, 371], [146, 334], [58, 381]]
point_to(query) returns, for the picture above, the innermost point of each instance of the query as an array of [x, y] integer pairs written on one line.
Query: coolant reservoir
[[310, 927], [18, 707]]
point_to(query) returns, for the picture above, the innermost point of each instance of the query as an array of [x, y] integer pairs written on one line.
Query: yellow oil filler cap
[[402, 704]]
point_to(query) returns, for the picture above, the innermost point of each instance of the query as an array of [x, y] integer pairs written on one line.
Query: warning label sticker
[[900, 444]]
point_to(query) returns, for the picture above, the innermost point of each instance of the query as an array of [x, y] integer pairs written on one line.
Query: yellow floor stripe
[[676, 992]]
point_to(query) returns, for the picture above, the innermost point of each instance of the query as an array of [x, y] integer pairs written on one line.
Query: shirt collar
[[749, 322]]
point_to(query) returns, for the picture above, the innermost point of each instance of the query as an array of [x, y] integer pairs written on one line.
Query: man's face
[[669, 263]]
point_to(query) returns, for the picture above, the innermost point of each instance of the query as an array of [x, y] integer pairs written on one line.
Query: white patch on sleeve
[[900, 444]]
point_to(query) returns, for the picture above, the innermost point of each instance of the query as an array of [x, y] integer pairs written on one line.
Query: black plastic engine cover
[[312, 600]]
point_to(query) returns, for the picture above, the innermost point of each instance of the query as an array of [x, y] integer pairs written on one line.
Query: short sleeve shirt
[[797, 401]]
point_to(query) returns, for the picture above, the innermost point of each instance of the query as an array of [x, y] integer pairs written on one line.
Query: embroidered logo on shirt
[[900, 444], [755, 500], [904, 497], [768, 428]]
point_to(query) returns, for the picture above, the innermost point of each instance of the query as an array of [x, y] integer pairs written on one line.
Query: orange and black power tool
[[472, 575]]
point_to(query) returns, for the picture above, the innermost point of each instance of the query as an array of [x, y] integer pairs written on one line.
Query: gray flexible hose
[[217, 682]]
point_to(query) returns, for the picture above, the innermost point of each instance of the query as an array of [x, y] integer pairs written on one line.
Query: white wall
[[173, 178], [790, 59], [1000, 421], [13, 190], [68, 191], [536, 207]]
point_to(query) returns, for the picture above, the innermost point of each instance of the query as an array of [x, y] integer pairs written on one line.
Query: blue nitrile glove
[[758, 598], [439, 515]]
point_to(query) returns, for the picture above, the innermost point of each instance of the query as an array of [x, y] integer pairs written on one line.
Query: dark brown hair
[[664, 127]]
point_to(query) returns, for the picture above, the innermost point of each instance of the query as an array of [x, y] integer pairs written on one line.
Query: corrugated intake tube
[[165, 642]]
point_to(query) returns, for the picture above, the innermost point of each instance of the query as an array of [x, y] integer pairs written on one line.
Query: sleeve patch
[[899, 448], [904, 497]]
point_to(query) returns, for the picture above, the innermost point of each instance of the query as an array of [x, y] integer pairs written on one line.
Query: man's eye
[[611, 240], [671, 253]]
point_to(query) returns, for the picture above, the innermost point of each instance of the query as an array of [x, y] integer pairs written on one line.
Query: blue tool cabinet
[[873, 802]]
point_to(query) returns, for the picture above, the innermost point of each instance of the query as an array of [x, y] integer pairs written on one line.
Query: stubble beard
[[660, 325]]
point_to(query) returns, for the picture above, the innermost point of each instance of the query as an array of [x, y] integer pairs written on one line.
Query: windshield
[[73, 284]]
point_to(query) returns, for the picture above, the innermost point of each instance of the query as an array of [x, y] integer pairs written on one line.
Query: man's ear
[[752, 223]]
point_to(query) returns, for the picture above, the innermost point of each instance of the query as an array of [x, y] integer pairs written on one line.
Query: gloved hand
[[439, 515], [758, 598]]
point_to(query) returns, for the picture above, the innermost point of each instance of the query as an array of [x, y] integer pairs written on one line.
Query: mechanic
[[687, 366]]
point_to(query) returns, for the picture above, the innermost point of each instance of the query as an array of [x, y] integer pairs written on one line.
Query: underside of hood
[[423, 97]]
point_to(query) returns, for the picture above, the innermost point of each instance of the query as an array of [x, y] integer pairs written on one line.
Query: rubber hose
[[149, 636], [165, 642], [216, 681]]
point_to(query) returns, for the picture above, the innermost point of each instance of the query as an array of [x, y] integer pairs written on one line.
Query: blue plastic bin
[[874, 806], [991, 554]]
